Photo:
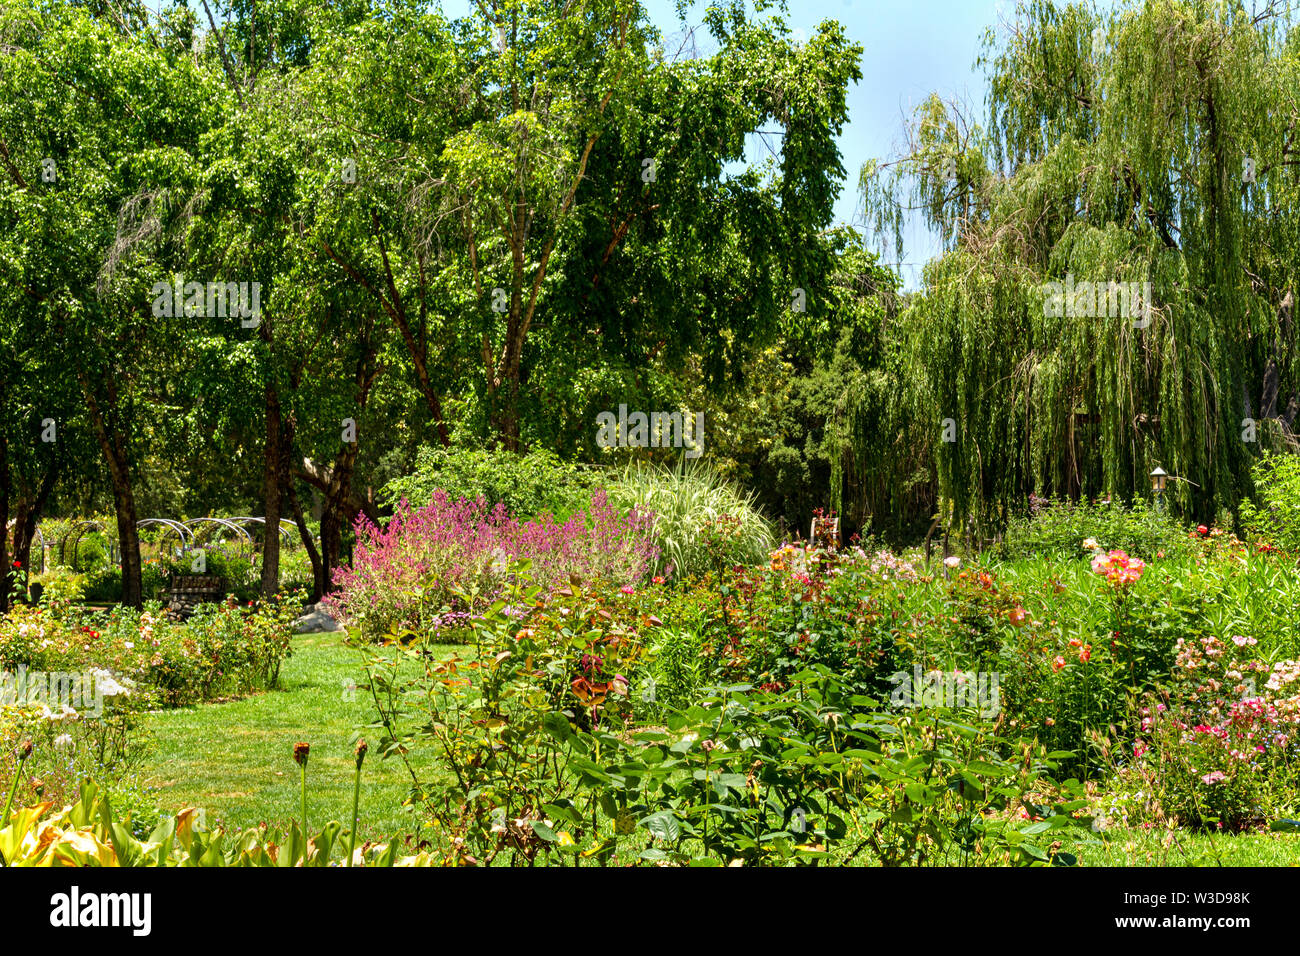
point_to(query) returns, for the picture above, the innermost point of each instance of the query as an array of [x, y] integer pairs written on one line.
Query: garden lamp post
[[1158, 478]]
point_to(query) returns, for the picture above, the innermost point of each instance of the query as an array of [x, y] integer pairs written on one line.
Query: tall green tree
[[99, 124], [1151, 145]]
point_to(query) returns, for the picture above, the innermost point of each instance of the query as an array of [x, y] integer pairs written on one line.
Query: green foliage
[[762, 625], [1072, 667], [1092, 169], [676, 671], [489, 719], [240, 574], [745, 778], [92, 831], [528, 485], [558, 766], [61, 587], [103, 585], [1276, 518], [1058, 529]]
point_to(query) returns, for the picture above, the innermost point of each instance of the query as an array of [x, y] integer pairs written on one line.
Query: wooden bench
[[188, 591]]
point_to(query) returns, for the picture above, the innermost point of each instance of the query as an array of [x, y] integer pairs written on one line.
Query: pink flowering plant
[[1139, 641], [1119, 569], [1218, 748], [431, 570]]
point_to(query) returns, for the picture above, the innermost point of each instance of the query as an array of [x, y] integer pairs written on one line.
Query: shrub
[[1276, 518], [1218, 747], [490, 720], [761, 625], [428, 569], [538, 755], [701, 521], [1081, 652], [68, 746], [61, 587], [223, 649], [103, 584], [240, 574], [1054, 528], [527, 485]]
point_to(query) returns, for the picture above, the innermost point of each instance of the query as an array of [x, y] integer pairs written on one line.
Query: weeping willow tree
[[1120, 246]]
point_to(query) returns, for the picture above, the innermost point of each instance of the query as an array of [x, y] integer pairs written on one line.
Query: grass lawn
[[236, 759], [1146, 848]]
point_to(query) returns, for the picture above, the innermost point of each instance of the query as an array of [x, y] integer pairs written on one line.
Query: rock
[[315, 620]]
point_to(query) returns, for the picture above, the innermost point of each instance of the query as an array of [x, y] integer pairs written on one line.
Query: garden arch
[[182, 532], [77, 532], [246, 545], [287, 527]]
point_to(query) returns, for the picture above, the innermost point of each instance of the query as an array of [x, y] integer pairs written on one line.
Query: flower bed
[[224, 649], [430, 569]]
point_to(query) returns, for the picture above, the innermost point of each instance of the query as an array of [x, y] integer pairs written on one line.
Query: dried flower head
[[300, 752], [362, 747]]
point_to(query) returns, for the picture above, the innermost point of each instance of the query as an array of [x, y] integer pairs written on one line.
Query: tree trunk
[[128, 535], [338, 495], [112, 445], [28, 516], [319, 478], [5, 489], [273, 453], [317, 565], [331, 543]]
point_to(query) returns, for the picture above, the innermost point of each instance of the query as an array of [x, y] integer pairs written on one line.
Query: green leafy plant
[[528, 485], [1056, 528], [1275, 519]]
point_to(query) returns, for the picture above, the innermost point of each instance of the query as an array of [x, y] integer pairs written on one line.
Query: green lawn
[[1146, 848], [236, 759]]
